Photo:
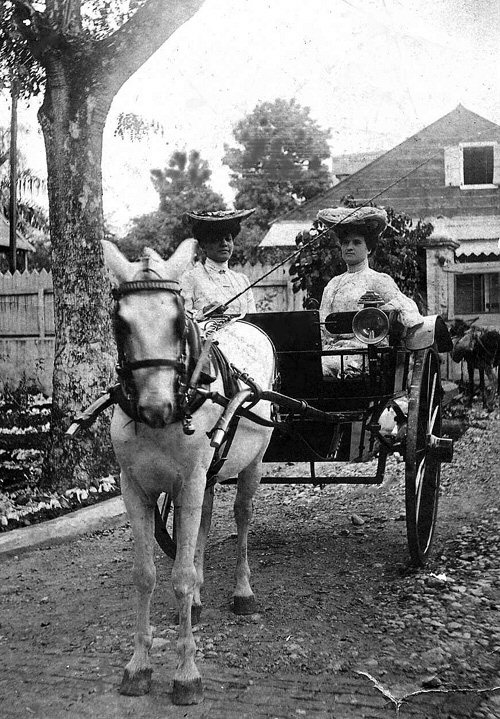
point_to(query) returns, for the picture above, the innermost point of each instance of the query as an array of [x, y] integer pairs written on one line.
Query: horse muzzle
[[155, 415]]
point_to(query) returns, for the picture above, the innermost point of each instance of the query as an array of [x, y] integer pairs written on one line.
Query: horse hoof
[[245, 605], [187, 692], [195, 614], [135, 685]]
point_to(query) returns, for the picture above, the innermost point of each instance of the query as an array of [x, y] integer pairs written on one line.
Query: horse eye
[[121, 325]]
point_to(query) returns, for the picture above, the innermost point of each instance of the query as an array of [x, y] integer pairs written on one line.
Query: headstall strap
[[127, 288]]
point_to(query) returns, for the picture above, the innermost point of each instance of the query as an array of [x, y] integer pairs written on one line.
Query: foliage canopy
[[278, 162], [182, 186]]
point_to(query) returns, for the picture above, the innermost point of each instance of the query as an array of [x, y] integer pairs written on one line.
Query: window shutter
[[496, 164], [452, 166]]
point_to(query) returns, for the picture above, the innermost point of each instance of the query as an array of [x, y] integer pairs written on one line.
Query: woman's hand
[[214, 309]]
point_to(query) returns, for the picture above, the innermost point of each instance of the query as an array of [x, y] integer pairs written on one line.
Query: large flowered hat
[[208, 223], [371, 219]]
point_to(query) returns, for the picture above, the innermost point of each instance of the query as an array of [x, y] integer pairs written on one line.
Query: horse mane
[[145, 269]]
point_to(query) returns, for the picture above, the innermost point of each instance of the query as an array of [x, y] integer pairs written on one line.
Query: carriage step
[[315, 480]]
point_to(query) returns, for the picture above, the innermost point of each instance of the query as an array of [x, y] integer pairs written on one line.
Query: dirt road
[[340, 610]]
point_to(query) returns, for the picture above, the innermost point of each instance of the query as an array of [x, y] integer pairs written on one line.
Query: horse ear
[[182, 259], [149, 252], [117, 263]]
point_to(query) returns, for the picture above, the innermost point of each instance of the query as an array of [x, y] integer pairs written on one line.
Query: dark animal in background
[[479, 348]]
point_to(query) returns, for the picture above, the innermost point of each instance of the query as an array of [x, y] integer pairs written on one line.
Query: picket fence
[[27, 319]]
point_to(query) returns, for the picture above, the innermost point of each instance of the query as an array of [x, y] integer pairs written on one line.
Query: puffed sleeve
[[395, 300], [187, 282], [326, 308]]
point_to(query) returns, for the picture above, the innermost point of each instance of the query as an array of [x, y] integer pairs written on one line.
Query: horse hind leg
[[470, 372], [491, 391], [136, 679], [244, 601]]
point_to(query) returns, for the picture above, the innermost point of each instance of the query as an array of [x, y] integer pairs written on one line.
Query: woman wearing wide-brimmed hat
[[210, 282], [357, 233]]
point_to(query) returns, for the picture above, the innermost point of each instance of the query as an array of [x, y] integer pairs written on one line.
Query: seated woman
[[210, 283], [357, 234]]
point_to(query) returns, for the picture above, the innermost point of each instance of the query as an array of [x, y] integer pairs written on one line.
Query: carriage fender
[[433, 330]]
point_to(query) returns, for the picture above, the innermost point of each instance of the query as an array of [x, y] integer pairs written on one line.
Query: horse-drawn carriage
[[201, 403], [319, 419]]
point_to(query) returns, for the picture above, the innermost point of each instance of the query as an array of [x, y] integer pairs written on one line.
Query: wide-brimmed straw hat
[[207, 223], [371, 219], [218, 216]]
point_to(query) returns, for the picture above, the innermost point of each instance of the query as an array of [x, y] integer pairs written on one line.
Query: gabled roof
[[429, 142], [22, 244], [283, 234]]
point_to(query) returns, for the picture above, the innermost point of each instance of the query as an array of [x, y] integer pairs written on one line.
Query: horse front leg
[[199, 555], [136, 679], [248, 482], [187, 687]]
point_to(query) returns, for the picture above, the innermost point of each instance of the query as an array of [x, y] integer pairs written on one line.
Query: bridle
[[187, 334]]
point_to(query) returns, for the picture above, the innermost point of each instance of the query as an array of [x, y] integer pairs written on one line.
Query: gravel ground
[[337, 597]]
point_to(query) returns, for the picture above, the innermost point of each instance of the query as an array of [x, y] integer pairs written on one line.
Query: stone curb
[[103, 515]]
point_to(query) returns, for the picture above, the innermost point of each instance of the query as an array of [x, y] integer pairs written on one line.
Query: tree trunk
[[82, 75], [72, 117]]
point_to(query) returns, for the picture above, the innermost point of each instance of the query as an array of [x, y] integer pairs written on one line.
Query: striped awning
[[478, 247]]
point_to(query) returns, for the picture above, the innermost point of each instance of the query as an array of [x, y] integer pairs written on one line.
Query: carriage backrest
[[297, 339]]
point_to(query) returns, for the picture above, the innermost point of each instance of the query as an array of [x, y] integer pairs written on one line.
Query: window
[[478, 165], [477, 293], [471, 165]]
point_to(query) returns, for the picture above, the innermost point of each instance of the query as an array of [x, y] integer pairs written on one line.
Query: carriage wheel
[[422, 464], [165, 525]]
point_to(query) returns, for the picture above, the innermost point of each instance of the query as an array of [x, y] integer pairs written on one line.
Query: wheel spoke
[[433, 419], [418, 486], [431, 398]]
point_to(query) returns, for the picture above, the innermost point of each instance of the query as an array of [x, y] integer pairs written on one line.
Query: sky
[[373, 71]]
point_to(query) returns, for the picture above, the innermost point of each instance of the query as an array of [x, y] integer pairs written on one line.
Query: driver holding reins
[[210, 283]]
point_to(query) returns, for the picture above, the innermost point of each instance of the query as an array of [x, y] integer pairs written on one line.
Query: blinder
[[125, 368]]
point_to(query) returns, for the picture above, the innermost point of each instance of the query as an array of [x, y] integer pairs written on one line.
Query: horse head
[[150, 329]]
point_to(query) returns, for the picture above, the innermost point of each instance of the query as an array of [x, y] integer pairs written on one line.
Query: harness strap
[[140, 364]]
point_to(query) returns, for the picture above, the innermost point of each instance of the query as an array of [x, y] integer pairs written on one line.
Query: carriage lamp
[[370, 325]]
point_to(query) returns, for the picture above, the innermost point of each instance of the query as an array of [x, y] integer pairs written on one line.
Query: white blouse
[[343, 292], [215, 282]]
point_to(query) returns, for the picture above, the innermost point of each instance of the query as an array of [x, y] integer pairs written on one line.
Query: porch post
[[440, 256]]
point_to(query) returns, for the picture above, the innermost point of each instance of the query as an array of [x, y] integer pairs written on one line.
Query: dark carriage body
[[358, 400], [323, 419]]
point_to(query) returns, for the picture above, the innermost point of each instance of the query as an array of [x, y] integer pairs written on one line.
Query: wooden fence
[[27, 319], [26, 329], [26, 305]]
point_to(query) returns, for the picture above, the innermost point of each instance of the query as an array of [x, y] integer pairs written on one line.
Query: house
[[447, 174], [23, 246]]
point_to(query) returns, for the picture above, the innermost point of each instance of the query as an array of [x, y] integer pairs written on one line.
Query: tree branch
[[141, 36]]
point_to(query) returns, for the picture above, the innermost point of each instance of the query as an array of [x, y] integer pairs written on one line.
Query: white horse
[[156, 455]]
